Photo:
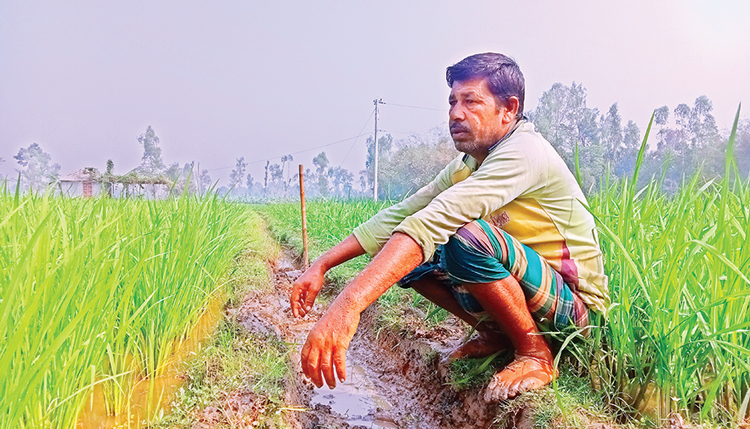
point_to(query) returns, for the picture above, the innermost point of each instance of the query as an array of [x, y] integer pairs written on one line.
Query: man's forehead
[[477, 86]]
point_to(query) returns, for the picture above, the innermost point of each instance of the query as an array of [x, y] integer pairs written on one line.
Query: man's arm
[[307, 287], [325, 348]]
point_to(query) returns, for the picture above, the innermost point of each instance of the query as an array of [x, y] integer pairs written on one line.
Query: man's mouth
[[456, 128]]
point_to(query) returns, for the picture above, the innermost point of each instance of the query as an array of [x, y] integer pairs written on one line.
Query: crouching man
[[500, 238]]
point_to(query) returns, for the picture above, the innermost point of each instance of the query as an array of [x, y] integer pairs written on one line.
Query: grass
[[237, 361], [101, 292], [677, 335], [328, 222]]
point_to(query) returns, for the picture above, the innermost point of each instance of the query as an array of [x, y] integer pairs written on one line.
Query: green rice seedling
[[677, 334], [99, 292], [328, 222]]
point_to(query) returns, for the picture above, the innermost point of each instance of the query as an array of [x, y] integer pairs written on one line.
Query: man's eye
[[452, 102]]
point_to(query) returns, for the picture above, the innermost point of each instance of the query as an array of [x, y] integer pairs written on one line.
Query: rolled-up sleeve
[[373, 234], [503, 177]]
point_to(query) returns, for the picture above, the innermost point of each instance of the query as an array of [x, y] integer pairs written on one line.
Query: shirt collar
[[505, 137], [472, 163]]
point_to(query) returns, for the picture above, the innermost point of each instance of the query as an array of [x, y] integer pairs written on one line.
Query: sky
[[262, 79]]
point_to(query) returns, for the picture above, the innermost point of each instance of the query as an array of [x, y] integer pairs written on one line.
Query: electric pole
[[376, 102]]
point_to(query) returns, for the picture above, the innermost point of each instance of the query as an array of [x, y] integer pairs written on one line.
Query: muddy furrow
[[394, 380]]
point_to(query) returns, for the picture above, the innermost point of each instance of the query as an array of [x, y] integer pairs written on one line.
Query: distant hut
[[85, 183], [138, 184]]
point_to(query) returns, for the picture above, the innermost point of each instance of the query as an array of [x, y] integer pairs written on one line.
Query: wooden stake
[[305, 254]]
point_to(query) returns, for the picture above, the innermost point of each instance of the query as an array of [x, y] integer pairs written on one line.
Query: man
[[500, 238]]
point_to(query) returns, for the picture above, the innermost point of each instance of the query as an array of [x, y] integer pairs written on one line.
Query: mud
[[395, 378]]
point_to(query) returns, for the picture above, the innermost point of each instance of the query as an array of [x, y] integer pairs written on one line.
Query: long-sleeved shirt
[[523, 187]]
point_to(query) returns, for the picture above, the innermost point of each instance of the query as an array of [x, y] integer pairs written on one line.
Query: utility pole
[[376, 102]]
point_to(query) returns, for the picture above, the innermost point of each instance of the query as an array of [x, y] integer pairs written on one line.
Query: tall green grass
[[100, 291], [677, 335]]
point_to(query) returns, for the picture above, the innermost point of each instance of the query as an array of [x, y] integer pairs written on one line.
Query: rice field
[[97, 294], [677, 336]]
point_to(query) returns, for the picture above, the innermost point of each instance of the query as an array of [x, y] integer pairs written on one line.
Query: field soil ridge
[[402, 367]]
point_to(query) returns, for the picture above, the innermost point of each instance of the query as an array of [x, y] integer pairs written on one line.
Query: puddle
[[356, 400], [146, 398]]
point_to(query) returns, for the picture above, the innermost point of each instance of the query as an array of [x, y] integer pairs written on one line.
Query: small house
[[85, 182]]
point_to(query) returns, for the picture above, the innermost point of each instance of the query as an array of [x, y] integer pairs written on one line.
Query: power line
[[355, 141], [340, 141], [416, 107], [294, 153]]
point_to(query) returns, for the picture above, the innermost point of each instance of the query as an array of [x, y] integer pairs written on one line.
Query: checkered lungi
[[481, 253]]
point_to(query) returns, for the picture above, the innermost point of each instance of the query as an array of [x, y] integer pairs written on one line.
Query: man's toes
[[496, 390], [524, 385]]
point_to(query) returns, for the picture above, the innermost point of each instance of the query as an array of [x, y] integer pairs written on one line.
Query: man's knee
[[470, 257]]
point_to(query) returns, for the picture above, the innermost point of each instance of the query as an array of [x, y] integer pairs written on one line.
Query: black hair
[[503, 75]]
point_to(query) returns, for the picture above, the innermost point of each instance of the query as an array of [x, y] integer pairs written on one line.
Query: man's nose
[[456, 113]]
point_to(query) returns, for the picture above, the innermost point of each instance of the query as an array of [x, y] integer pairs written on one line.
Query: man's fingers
[[309, 301], [313, 369], [295, 300], [339, 359], [310, 358], [327, 368], [304, 355]]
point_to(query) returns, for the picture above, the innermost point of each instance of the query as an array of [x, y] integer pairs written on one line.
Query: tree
[[286, 160], [236, 176], [342, 181], [385, 144], [692, 145], [108, 178], [151, 162], [564, 120], [611, 135], [631, 144], [37, 171], [277, 185], [321, 164], [204, 181], [181, 177], [742, 148], [414, 162], [265, 178]]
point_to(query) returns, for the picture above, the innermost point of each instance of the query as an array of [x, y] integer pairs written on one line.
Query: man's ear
[[511, 109]]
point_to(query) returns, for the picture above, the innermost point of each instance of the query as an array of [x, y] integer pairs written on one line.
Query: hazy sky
[[220, 80]]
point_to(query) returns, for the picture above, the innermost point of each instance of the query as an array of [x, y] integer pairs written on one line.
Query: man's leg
[[518, 289], [490, 338], [533, 366]]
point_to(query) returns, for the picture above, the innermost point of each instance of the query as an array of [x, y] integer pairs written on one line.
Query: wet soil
[[395, 378]]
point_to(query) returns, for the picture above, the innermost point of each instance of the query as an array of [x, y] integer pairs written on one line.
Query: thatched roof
[[88, 174]]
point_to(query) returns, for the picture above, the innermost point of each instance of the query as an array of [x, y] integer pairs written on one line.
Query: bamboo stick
[[305, 254]]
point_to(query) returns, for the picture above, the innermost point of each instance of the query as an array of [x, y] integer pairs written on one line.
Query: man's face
[[475, 117]]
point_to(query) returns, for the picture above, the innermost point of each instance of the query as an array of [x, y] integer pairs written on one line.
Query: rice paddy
[[97, 294]]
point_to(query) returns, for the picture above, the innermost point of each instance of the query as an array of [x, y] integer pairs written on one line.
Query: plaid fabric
[[481, 253]]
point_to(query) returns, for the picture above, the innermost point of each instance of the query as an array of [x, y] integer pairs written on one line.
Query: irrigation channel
[[390, 382]]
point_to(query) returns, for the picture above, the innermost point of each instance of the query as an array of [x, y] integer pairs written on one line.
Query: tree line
[[687, 140]]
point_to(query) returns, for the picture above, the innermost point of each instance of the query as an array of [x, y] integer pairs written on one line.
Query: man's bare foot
[[523, 374], [486, 343]]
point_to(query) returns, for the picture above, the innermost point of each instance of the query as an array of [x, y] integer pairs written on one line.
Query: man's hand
[[305, 289], [325, 349]]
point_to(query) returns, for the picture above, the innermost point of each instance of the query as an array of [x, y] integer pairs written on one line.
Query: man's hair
[[503, 76]]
